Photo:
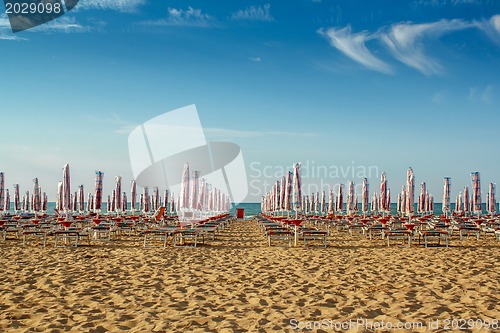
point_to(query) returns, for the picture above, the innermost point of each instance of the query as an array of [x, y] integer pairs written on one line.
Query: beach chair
[[435, 234], [312, 235], [399, 234], [157, 238]]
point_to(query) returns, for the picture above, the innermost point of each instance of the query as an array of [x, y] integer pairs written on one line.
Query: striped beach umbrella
[[316, 203], [81, 199], [118, 191], [458, 203], [350, 198], [282, 193], [421, 198], [90, 202], [184, 194], [323, 203], [172, 204], [383, 192], [6, 206], [492, 202], [340, 199], [476, 193], [375, 203], [297, 188], [365, 196], [166, 199], [17, 201], [99, 175], [45, 201], [124, 201], [37, 198], [195, 191], [133, 196], [288, 192], [331, 203], [410, 195], [109, 204], [146, 204], [66, 189], [466, 200], [446, 205]]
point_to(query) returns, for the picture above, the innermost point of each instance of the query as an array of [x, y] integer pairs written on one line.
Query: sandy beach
[[237, 283]]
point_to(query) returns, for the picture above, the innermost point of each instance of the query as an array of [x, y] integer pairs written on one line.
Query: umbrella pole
[[296, 235]]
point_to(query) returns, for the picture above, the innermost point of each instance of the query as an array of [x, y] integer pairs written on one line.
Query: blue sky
[[333, 84]]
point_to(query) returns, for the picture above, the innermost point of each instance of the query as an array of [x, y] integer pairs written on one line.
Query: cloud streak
[[353, 46], [228, 133], [190, 17], [254, 13], [405, 42], [126, 6]]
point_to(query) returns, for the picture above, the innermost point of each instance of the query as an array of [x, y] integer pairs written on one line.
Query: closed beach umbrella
[[90, 202], [184, 195], [316, 203], [124, 201], [282, 193], [81, 199], [6, 206], [146, 200], [476, 193], [331, 203], [99, 175], [458, 203], [109, 205], [2, 189], [166, 199], [172, 204], [383, 192], [421, 198], [194, 194], [466, 199], [141, 202], [340, 199], [410, 195], [17, 202], [133, 195], [37, 199], [350, 198], [492, 200], [398, 204], [288, 192], [118, 191], [297, 188], [365, 196], [59, 201], [66, 189], [446, 196], [323, 203]]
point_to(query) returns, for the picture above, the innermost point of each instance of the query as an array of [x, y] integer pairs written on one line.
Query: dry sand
[[238, 284]]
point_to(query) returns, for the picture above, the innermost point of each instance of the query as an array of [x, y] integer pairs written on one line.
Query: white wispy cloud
[[127, 6], [255, 59], [353, 46], [184, 18], [490, 27], [66, 24], [254, 13], [483, 95], [5, 30], [405, 41], [229, 133]]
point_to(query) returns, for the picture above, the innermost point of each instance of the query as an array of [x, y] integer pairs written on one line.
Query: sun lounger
[[157, 238], [467, 230], [187, 237], [279, 234], [69, 237], [399, 234], [312, 235], [435, 234]]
